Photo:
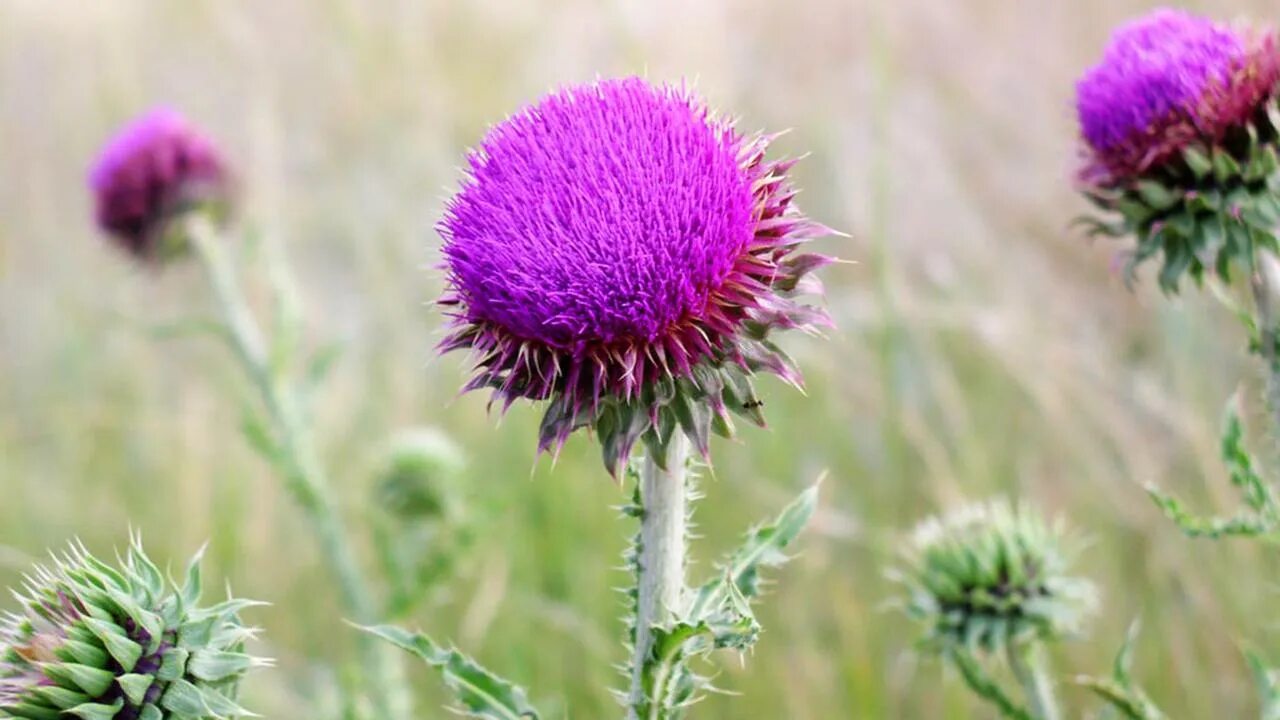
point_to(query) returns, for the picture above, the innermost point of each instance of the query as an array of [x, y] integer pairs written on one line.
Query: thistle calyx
[[97, 642], [991, 575]]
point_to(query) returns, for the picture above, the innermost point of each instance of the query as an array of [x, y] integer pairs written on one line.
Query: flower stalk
[[662, 553], [1265, 286], [1030, 668], [297, 457]]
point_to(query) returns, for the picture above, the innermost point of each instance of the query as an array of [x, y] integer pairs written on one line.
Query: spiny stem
[[1265, 284], [661, 558], [304, 474], [1030, 668]]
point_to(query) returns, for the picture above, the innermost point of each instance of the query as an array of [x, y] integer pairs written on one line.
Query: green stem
[[984, 686], [1031, 670], [1266, 294], [661, 561], [303, 472]]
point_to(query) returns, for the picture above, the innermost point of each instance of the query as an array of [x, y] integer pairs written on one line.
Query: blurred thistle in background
[[989, 575], [1180, 127], [97, 642], [156, 170], [418, 475], [996, 578], [161, 191]]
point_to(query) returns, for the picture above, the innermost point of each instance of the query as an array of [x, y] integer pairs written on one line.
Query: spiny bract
[[152, 171], [100, 643], [990, 574], [619, 251], [1179, 133]]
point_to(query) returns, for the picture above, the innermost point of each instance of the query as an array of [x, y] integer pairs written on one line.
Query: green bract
[[990, 575], [95, 642], [1208, 210]]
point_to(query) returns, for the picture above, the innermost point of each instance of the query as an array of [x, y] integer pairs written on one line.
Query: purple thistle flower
[[618, 250], [152, 171], [1166, 81]]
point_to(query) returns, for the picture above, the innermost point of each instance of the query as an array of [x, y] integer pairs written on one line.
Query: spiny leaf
[[480, 693], [1119, 690], [763, 547]]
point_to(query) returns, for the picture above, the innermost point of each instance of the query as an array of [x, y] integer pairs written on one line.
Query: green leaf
[[1268, 682], [480, 693], [1119, 690], [763, 547]]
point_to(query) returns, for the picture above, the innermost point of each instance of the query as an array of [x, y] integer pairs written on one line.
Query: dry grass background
[[983, 347]]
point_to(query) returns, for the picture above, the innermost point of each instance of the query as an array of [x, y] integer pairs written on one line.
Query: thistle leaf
[[1119, 690], [763, 547], [1260, 514], [480, 693], [719, 616], [1268, 681]]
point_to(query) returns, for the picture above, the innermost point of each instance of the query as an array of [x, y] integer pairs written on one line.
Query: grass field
[[983, 347]]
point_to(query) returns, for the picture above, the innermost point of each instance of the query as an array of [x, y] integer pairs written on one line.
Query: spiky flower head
[[1179, 132], [153, 171], [991, 574], [418, 474], [97, 642], [620, 252]]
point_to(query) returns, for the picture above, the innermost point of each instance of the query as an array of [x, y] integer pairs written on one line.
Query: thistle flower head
[[991, 574], [619, 251], [152, 171], [1166, 81], [1180, 130], [418, 473], [96, 642]]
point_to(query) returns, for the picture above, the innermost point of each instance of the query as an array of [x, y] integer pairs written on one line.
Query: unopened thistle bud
[[1179, 126], [96, 642], [623, 254], [152, 172], [991, 574], [418, 475]]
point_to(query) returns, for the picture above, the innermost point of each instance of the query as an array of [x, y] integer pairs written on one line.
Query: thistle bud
[[418, 474], [990, 575], [152, 172], [96, 642]]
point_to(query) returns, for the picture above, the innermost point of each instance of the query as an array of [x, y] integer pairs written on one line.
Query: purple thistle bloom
[[610, 241], [1166, 81], [154, 169]]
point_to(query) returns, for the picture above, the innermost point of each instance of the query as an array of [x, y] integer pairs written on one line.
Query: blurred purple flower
[[1166, 81], [611, 240], [153, 170]]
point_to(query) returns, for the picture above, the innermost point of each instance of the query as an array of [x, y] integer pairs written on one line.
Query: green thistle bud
[[990, 575], [418, 474], [94, 642]]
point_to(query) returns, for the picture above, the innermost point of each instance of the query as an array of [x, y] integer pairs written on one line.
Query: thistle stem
[[1027, 660], [661, 557], [303, 472], [1265, 284]]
